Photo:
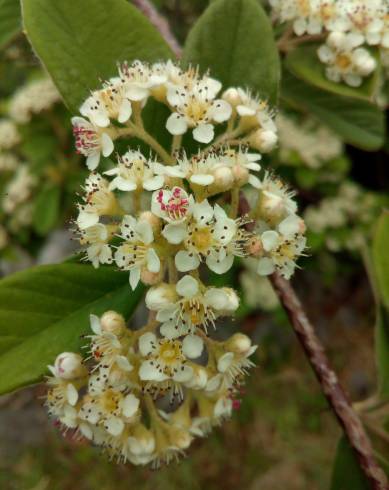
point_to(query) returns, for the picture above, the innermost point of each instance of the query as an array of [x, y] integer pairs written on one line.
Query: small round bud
[[223, 178], [232, 96], [151, 278], [238, 343], [160, 296], [233, 300], [69, 365], [263, 140], [142, 441], [152, 220], [271, 204], [254, 247], [241, 175], [112, 322]]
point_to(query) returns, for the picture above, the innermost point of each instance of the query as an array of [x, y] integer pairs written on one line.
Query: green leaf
[[358, 122], [304, 63], [234, 39], [44, 311], [46, 209], [382, 350], [347, 474], [10, 22], [80, 42]]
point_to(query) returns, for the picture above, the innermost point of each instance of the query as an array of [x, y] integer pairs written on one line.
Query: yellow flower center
[[169, 351], [343, 61], [202, 239]]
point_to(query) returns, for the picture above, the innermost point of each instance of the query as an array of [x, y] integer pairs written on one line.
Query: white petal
[[290, 225], [203, 133], [148, 372], [186, 262], [125, 111], [192, 346], [114, 426], [254, 181], [220, 266], [93, 160], [85, 219], [225, 362], [135, 92], [243, 110], [147, 343], [154, 183], [134, 277], [122, 185], [174, 233], [71, 394], [123, 363], [95, 324], [184, 374], [202, 179], [270, 240], [221, 111], [153, 262], [130, 405], [202, 212], [176, 124], [216, 298], [265, 266], [187, 287], [106, 145], [171, 331]]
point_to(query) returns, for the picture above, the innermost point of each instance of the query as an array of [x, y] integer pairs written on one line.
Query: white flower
[[173, 206], [98, 250], [68, 365], [33, 98], [196, 108], [135, 172], [9, 134], [98, 201], [275, 199], [346, 61], [107, 103], [137, 251], [19, 189], [282, 247], [91, 141], [165, 359], [138, 79], [241, 162], [210, 236], [111, 409], [254, 113], [191, 306]]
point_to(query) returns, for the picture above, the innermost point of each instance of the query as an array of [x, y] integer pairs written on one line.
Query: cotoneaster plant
[[166, 218]]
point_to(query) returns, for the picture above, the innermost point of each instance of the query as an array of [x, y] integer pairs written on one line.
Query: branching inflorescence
[[169, 219], [351, 28]]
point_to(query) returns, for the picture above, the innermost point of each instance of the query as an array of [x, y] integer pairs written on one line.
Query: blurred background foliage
[[283, 435]]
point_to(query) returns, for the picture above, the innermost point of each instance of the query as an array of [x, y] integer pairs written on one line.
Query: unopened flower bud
[[271, 204], [238, 343], [263, 140], [69, 365], [152, 220], [160, 296], [142, 441], [223, 178], [151, 278], [112, 322], [232, 96]]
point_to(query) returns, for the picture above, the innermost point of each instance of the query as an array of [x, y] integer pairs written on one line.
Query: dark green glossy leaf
[[45, 310], [80, 42], [358, 122], [347, 474], [234, 39], [10, 22]]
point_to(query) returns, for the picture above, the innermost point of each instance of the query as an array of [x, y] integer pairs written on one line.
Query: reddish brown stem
[[148, 9], [335, 394]]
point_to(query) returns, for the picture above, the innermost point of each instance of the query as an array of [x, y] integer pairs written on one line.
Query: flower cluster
[[164, 218], [308, 142], [33, 98], [344, 221], [350, 24]]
